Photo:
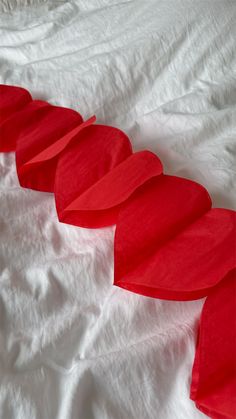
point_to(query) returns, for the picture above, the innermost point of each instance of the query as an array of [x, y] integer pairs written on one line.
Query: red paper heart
[[14, 124], [49, 125], [100, 204], [214, 372], [99, 149], [164, 250]]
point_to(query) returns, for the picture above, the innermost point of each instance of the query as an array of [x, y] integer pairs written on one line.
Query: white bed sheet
[[73, 346]]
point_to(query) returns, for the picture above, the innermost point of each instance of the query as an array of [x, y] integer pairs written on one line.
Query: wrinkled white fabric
[[73, 346]]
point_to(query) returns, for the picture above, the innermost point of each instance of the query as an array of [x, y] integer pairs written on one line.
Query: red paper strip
[[214, 372]]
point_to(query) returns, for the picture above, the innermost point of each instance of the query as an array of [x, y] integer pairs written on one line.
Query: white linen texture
[[72, 345]]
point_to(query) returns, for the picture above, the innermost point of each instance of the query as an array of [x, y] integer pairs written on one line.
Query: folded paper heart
[[99, 205], [169, 242]]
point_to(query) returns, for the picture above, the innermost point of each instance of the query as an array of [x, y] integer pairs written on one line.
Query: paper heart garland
[[169, 242]]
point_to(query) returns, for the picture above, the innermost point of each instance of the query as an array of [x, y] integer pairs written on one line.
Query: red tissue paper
[[214, 370], [169, 241]]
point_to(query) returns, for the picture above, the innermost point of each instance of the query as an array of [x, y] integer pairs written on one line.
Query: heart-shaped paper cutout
[[172, 253], [49, 125], [99, 205], [14, 124], [99, 150]]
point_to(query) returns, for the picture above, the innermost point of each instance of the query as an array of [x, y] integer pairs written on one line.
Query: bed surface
[[71, 344]]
